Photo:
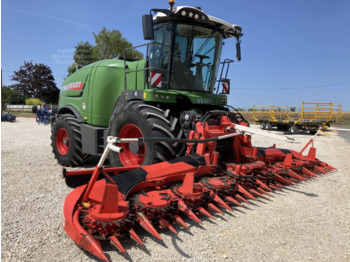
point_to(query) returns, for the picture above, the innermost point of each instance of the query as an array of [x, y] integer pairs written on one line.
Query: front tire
[[137, 119], [66, 141]]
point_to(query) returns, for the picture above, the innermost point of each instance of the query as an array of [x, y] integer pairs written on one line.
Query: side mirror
[[147, 26], [238, 50]]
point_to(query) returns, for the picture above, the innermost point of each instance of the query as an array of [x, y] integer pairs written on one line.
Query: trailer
[[313, 115]]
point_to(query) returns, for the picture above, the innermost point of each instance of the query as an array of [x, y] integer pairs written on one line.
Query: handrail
[[146, 68]]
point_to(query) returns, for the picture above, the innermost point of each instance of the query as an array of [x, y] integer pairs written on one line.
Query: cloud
[[52, 17]]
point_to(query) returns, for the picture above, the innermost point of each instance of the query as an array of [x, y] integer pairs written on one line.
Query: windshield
[[195, 56]]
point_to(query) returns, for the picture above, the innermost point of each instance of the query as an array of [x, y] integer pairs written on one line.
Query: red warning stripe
[[225, 87], [156, 79]]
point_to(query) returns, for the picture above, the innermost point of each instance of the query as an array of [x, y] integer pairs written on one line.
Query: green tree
[[35, 80], [84, 54], [111, 44], [10, 96], [292, 109]]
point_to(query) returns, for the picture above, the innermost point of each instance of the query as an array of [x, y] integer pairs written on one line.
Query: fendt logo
[[73, 86], [204, 100]]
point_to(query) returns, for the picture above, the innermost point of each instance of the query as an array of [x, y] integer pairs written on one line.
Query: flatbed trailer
[[313, 115]]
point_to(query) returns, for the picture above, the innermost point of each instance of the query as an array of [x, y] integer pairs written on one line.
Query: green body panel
[[169, 96], [95, 89], [102, 82]]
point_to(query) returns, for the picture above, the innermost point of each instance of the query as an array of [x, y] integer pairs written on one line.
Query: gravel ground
[[306, 222]]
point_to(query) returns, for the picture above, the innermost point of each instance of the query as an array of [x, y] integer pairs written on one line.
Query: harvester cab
[[185, 49]]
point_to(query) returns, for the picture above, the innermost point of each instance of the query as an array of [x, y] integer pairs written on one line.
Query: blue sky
[[292, 51]]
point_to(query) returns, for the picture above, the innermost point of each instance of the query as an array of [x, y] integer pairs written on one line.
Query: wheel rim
[[133, 154], [62, 141]]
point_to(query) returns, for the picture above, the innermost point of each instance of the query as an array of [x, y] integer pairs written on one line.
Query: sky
[[292, 51]]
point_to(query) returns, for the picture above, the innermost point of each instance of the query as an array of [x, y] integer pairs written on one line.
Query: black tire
[[294, 129], [71, 154], [34, 109], [262, 125], [313, 132], [151, 122], [12, 118], [268, 126]]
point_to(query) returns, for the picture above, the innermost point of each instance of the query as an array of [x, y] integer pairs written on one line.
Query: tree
[[110, 44], [292, 109], [36, 80], [84, 54], [9, 96]]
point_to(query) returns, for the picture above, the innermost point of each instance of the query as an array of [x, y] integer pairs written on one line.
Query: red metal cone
[[320, 169], [232, 200], [295, 175], [281, 179], [253, 191], [146, 224], [327, 166], [245, 192], [293, 180], [85, 240], [135, 237], [204, 212], [308, 172], [238, 196], [166, 224], [274, 187], [215, 208], [180, 221], [220, 202], [188, 212], [264, 186], [98, 252], [263, 191], [280, 185], [115, 242]]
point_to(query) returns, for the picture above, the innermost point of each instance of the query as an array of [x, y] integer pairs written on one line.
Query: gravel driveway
[[306, 222]]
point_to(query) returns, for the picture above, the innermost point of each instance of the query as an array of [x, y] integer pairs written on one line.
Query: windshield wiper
[[204, 44]]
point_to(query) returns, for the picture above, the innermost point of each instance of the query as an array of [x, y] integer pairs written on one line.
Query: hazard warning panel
[[225, 87], [156, 79]]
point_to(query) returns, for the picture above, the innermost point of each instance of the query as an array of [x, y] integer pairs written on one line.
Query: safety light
[[196, 16], [183, 12], [171, 3], [190, 14]]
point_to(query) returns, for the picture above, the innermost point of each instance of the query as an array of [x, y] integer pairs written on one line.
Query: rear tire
[[294, 129], [268, 126], [262, 125], [137, 119], [66, 141], [34, 109]]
